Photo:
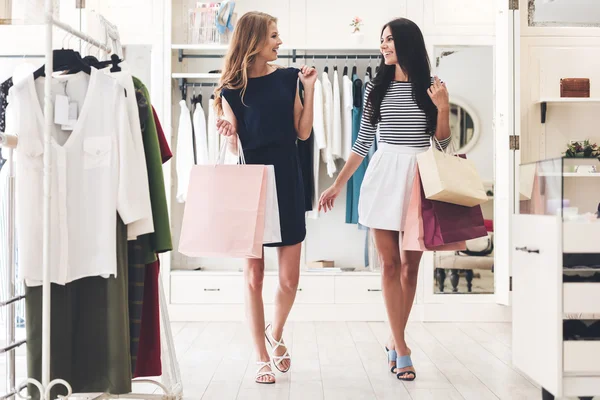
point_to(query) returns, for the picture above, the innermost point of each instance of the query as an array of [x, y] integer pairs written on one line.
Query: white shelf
[[200, 47], [569, 100], [224, 47], [572, 174], [191, 75], [581, 237]]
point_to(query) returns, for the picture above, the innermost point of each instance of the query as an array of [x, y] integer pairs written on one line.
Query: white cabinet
[[328, 22], [543, 299], [364, 290]]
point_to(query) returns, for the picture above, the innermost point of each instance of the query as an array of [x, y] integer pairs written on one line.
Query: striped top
[[402, 122]]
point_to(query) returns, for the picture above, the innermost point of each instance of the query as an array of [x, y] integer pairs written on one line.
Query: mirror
[[563, 13], [469, 75], [463, 126]]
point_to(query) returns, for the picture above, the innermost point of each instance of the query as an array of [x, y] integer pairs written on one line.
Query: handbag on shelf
[[574, 87]]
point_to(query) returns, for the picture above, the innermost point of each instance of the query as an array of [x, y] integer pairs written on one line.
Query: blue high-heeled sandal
[[405, 362], [392, 356]]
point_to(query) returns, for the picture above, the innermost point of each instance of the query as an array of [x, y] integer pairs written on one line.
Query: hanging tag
[[73, 111], [61, 110]]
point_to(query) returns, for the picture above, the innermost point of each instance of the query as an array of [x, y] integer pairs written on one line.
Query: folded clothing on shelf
[[576, 260], [581, 330], [581, 275]]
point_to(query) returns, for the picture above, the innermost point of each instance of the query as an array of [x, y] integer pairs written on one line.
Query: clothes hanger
[[335, 66], [346, 66], [212, 95], [326, 70], [377, 67], [64, 60], [369, 70], [354, 72]]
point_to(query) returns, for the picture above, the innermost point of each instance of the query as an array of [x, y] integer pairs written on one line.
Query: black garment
[[4, 88], [305, 155], [265, 118], [89, 331]]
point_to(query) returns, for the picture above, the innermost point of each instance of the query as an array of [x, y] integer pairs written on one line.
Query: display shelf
[[192, 75], [544, 101], [581, 298], [581, 237]]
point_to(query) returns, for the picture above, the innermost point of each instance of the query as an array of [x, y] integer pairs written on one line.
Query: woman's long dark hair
[[414, 61]]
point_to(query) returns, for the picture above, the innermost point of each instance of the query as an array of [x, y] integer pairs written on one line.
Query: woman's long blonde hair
[[249, 36]]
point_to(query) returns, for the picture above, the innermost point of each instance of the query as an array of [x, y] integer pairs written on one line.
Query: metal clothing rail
[[294, 56], [171, 375], [184, 84]]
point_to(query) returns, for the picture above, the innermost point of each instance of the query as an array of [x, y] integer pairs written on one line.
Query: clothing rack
[[172, 389], [184, 84], [294, 56]]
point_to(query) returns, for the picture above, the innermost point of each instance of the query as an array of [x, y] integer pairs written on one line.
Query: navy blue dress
[[266, 129]]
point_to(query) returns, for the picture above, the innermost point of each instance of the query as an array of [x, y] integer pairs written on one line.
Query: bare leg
[[289, 276], [254, 274], [388, 247], [409, 273]]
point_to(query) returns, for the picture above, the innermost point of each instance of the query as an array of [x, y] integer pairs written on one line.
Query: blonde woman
[[259, 104], [408, 108]]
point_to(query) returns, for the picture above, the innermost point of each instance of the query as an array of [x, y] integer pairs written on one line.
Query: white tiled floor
[[340, 361], [346, 361]]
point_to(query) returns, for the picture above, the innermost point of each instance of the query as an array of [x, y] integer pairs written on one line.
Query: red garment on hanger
[[148, 359], [149, 363], [165, 151]]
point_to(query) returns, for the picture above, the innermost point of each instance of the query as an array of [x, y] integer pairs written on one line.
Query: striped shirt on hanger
[[402, 122]]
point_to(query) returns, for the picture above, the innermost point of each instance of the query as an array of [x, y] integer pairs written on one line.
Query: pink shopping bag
[[413, 237], [224, 215]]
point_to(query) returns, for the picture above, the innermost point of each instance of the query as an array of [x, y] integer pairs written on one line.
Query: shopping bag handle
[[439, 147], [240, 152]]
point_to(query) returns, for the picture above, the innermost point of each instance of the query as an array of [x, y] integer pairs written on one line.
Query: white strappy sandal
[[277, 360], [259, 374]]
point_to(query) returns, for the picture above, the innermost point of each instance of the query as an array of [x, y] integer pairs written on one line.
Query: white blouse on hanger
[[320, 143], [184, 156], [201, 135], [146, 224], [328, 118], [336, 146], [347, 104], [95, 173], [212, 134]]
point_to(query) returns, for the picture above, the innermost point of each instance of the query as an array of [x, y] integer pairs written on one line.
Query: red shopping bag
[[414, 228], [224, 214], [445, 223]]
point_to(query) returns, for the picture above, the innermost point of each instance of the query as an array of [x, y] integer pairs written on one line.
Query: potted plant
[[583, 149]]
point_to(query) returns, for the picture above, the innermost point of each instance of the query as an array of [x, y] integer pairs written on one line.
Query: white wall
[[469, 75]]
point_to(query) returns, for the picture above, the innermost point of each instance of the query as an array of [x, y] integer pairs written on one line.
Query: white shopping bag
[[272, 224]]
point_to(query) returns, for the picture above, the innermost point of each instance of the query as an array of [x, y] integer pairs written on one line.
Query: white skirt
[[387, 186]]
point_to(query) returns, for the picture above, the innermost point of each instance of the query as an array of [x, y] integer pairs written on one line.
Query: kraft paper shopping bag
[[450, 179]]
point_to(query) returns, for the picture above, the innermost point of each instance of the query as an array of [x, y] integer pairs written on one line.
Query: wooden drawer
[[190, 289], [582, 357], [311, 290], [358, 289], [581, 297]]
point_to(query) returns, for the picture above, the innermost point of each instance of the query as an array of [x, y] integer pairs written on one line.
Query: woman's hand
[[439, 94], [328, 197], [225, 128], [308, 76]]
